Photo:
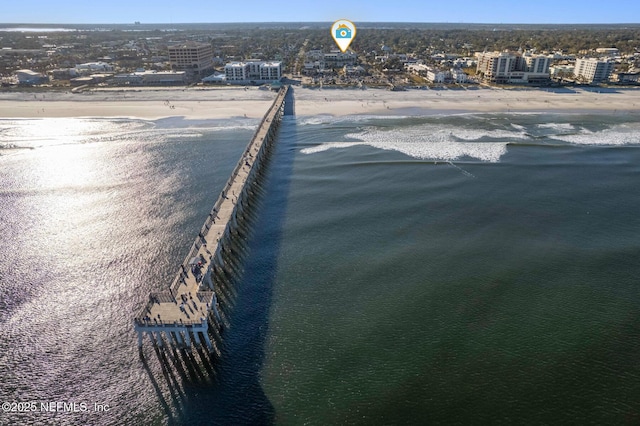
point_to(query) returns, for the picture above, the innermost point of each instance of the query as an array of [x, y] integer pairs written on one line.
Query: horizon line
[[318, 22]]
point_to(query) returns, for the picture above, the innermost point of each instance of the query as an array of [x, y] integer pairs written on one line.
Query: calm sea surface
[[467, 269]]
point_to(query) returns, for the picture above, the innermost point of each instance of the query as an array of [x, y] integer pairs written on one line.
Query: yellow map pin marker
[[343, 32]]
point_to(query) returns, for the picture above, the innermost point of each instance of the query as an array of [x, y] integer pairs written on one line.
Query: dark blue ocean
[[444, 269]]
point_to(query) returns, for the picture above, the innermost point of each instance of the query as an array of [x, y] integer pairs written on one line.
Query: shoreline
[[227, 103]]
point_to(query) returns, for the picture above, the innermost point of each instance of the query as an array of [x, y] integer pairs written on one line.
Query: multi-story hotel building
[[196, 58], [257, 71], [236, 71], [592, 70], [271, 71], [507, 67]]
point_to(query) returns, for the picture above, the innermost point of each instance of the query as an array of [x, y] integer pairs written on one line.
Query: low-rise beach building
[[63, 73], [338, 59], [150, 78], [93, 67], [316, 61], [313, 67], [30, 77], [561, 71], [353, 70], [164, 78], [82, 81], [436, 76], [418, 69], [459, 76], [215, 78], [608, 51], [626, 77], [454, 75]]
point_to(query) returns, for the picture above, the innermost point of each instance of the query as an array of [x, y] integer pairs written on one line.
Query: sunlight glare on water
[[458, 269]]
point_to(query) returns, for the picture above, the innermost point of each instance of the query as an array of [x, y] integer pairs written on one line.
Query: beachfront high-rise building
[[193, 57], [591, 70], [256, 71], [270, 71], [538, 64], [507, 67], [236, 71]]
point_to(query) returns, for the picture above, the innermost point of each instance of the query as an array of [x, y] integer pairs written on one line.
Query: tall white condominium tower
[[592, 70]]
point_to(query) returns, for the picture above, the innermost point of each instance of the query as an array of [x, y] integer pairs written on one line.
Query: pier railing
[[166, 311], [148, 322], [195, 247], [267, 120]]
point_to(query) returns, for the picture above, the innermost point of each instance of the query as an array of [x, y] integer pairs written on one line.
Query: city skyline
[[199, 11]]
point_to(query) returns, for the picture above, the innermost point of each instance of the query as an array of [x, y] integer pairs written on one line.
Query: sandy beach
[[218, 103], [419, 102]]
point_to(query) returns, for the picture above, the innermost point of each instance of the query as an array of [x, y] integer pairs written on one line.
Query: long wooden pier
[[182, 316]]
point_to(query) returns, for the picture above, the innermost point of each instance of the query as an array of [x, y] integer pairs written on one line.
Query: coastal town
[[256, 223], [145, 55]]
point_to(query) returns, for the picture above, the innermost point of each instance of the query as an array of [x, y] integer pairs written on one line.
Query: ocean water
[[460, 269]]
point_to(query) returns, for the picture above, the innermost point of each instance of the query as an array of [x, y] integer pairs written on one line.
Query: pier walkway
[[185, 312]]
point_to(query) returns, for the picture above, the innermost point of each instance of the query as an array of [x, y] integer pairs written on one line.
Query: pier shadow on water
[[206, 389]]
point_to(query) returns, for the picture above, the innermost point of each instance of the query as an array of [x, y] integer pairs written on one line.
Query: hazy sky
[[172, 11]]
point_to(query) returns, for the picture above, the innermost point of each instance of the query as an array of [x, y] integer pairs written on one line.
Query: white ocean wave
[[473, 134], [235, 127], [315, 120], [435, 142], [560, 127], [448, 151], [330, 145], [331, 119], [623, 134]]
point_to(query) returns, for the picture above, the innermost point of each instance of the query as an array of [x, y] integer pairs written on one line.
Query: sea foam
[[331, 119], [622, 134], [434, 142]]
